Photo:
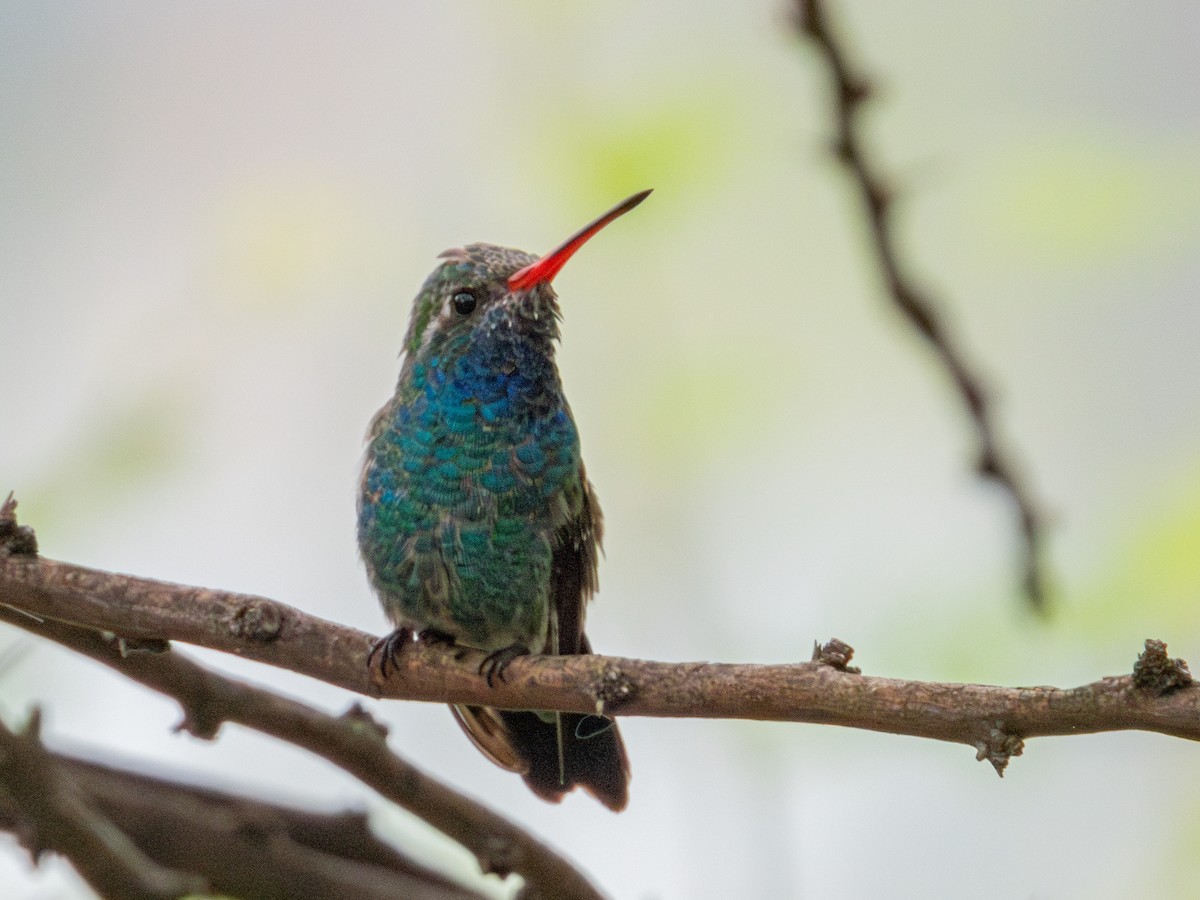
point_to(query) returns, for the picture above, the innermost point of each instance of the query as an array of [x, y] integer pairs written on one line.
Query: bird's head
[[482, 288]]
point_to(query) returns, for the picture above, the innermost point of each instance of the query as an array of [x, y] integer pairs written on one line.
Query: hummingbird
[[476, 520]]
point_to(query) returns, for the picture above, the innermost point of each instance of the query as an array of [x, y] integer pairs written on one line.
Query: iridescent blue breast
[[471, 472]]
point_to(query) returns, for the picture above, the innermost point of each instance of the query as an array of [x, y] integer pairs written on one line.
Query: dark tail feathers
[[593, 754]]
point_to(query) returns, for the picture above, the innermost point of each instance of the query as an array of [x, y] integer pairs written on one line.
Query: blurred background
[[213, 219]]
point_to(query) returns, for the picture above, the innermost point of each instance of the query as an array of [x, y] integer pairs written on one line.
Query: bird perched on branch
[[476, 520]]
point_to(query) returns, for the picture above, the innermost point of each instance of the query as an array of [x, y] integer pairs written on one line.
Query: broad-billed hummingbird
[[476, 520]]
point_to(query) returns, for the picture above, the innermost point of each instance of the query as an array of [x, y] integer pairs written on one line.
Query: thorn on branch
[[999, 748], [1157, 672], [18, 540], [260, 621], [835, 654]]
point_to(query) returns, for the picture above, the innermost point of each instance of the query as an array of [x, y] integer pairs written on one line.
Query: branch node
[[925, 320], [999, 748], [1157, 672], [612, 687], [32, 729], [856, 89], [129, 646], [199, 722], [361, 720], [497, 856], [19, 540], [835, 654], [260, 621], [805, 18], [878, 197], [843, 150], [989, 466], [202, 715]]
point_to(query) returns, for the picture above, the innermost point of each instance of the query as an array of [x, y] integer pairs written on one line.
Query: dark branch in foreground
[[852, 90], [354, 741], [54, 817], [175, 839], [993, 720]]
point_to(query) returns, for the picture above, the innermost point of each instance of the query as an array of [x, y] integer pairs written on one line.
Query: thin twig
[[852, 89], [823, 691]]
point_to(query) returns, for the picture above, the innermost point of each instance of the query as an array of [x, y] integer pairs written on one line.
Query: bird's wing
[[573, 575]]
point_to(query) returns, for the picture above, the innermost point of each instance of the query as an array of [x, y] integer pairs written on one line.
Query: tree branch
[[56, 818], [993, 720], [235, 845], [354, 741], [852, 90]]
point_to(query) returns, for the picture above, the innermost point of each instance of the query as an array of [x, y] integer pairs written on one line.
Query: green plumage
[[476, 520], [473, 476]]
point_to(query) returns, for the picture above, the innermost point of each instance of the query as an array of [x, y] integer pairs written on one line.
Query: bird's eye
[[464, 302]]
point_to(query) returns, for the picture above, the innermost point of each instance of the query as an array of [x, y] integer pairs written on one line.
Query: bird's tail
[[553, 752]]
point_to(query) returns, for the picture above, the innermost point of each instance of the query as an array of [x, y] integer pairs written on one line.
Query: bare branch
[[240, 847], [991, 719], [57, 818], [852, 89], [354, 742]]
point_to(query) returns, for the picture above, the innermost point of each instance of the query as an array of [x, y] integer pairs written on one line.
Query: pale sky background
[[214, 216]]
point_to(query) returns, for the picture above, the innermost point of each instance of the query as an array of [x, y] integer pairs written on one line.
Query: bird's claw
[[388, 649], [497, 661]]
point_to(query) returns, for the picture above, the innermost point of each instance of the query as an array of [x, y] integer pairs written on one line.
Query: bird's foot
[[432, 637], [497, 661], [388, 649]]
